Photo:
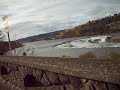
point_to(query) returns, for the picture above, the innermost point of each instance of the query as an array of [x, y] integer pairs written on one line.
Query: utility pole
[[6, 29]]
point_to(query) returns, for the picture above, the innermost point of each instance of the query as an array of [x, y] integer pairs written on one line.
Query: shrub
[[88, 55], [65, 56], [113, 55]]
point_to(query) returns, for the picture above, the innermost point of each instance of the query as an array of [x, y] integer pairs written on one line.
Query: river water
[[63, 47]]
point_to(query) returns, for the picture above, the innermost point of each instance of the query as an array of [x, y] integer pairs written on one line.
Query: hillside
[[39, 37], [110, 24], [107, 25]]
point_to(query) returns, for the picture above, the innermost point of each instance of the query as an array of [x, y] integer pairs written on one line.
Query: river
[[51, 48]]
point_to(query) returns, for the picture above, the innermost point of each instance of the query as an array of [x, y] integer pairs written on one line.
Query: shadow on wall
[[30, 81], [4, 71], [1, 53]]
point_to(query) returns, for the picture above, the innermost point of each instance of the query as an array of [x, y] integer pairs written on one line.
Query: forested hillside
[[110, 24]]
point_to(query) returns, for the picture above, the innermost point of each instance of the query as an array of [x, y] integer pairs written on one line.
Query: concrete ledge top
[[99, 69]]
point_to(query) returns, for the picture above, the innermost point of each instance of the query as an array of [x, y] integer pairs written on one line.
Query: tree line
[[96, 27]]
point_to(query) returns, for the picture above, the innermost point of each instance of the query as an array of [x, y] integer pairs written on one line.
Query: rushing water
[[91, 42], [72, 47]]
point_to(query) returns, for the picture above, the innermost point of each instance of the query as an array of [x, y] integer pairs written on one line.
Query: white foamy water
[[93, 42]]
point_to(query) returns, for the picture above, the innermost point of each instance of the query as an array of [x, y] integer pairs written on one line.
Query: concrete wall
[[26, 77]]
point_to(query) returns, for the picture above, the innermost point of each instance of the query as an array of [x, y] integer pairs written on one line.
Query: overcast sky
[[32, 17]]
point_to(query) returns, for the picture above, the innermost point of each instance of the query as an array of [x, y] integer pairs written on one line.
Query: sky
[[33, 17]]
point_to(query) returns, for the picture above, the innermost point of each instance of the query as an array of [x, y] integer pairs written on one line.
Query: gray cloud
[[31, 17]]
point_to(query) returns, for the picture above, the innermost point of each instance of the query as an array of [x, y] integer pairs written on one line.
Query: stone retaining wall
[[28, 76]]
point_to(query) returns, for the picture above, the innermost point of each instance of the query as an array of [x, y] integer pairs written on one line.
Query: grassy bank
[[110, 55]]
